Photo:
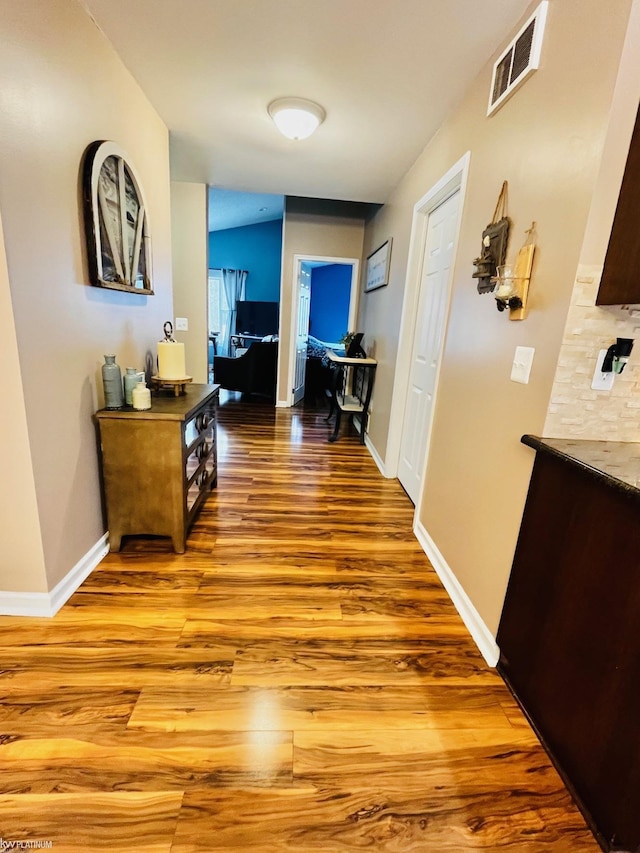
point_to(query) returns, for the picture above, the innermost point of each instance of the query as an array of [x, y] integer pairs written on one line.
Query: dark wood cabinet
[[159, 465], [569, 638], [620, 283]]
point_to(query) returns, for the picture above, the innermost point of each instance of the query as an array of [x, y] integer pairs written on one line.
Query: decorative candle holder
[[507, 291], [512, 281], [172, 372], [171, 361]]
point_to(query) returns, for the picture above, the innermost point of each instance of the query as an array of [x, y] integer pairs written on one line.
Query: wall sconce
[[507, 292], [617, 356], [512, 281]]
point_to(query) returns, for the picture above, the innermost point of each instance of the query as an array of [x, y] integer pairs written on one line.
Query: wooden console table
[[351, 389], [159, 465]]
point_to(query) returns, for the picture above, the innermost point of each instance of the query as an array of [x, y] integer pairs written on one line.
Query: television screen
[[257, 318]]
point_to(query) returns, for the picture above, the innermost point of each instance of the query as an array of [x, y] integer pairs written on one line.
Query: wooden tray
[[178, 386]]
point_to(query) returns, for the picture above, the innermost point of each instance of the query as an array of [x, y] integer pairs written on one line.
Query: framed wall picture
[[116, 225], [378, 264]]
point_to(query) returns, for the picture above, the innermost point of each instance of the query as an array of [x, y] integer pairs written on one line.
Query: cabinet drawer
[[204, 471], [195, 459], [202, 424], [200, 449]]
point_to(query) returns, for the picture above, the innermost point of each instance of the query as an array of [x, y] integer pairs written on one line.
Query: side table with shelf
[[351, 389], [159, 465]]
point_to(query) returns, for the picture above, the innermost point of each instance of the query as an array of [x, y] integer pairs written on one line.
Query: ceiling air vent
[[520, 59]]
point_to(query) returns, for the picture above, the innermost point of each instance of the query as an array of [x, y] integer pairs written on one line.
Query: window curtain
[[233, 282]]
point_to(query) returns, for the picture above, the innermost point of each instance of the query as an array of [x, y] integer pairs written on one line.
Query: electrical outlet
[[602, 381], [182, 324], [521, 367]]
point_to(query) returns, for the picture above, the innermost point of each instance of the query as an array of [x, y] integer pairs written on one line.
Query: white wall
[[190, 235], [62, 87], [21, 557]]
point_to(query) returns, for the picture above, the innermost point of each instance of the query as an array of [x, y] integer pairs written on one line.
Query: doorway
[[302, 333], [302, 297], [432, 250], [429, 331]]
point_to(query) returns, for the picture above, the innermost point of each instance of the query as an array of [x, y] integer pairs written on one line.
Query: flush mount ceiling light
[[296, 118]]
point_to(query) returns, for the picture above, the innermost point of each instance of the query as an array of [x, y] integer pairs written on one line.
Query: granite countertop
[[615, 462]]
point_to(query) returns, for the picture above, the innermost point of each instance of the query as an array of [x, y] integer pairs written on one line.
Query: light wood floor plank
[[130, 668], [332, 820], [340, 634], [382, 663], [300, 708], [38, 713], [78, 823], [125, 760], [207, 605]]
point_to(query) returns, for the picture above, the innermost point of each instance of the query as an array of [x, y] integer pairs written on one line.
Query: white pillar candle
[[171, 363], [504, 289]]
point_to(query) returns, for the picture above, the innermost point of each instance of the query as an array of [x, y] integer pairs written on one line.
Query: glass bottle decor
[[112, 381]]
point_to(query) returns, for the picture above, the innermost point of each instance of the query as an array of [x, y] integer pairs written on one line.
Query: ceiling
[[387, 73], [230, 209]]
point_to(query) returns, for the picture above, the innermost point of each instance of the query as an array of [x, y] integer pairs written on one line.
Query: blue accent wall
[[330, 294], [256, 248]]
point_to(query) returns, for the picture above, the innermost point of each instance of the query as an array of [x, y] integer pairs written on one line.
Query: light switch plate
[[182, 324], [602, 381], [521, 367]]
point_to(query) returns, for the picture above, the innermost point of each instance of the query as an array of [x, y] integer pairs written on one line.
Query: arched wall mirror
[[118, 241]]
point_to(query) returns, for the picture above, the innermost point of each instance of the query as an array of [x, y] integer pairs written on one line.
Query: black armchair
[[254, 372]]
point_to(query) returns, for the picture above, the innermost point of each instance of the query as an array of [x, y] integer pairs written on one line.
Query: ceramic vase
[[112, 381], [131, 379]]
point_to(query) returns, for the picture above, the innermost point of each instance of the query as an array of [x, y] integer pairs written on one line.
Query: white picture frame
[[378, 264]]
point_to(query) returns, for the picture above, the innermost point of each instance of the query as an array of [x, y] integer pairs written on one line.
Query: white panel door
[[302, 333], [430, 326]]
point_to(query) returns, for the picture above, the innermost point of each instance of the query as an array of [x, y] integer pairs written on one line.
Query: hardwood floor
[[297, 681]]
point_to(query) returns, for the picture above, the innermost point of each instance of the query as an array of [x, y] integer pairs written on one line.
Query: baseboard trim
[[375, 455], [357, 422], [47, 604], [481, 635]]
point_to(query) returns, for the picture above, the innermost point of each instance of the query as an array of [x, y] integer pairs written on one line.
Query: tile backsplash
[[575, 410]]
